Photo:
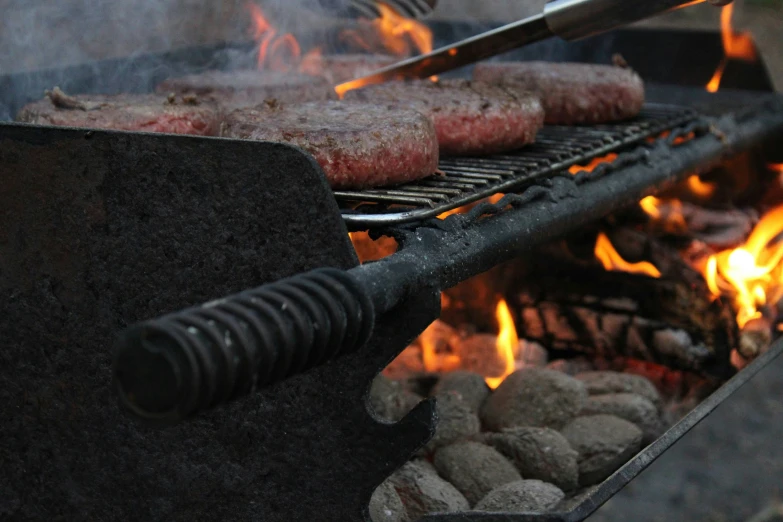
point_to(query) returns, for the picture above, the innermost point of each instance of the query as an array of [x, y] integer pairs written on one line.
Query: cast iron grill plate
[[468, 179]]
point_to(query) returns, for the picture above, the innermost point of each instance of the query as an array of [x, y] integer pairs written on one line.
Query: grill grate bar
[[463, 180]]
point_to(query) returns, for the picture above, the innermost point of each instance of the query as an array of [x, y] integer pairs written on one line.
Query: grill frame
[[470, 179]]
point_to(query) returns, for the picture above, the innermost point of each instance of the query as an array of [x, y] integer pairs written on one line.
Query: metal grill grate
[[469, 179]]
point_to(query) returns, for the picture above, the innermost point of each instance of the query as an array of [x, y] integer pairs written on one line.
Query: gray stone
[[629, 406], [474, 469], [534, 397], [471, 386], [539, 453], [599, 383], [524, 496], [422, 491], [456, 421], [391, 401], [386, 506], [604, 443]]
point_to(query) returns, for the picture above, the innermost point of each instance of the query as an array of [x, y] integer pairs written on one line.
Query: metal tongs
[[568, 19]]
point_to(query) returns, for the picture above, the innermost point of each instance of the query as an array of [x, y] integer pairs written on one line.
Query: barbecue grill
[[148, 225]]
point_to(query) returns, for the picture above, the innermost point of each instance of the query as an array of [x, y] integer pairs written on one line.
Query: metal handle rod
[[169, 368], [569, 19]]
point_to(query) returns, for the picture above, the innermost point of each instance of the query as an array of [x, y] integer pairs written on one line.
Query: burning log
[[572, 306], [717, 228]]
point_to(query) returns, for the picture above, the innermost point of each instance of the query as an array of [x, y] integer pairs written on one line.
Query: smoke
[[111, 46]]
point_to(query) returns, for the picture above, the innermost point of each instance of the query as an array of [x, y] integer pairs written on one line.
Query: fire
[[506, 343], [669, 213], [391, 33], [737, 46], [276, 52], [699, 187], [611, 259], [461, 210], [752, 272], [593, 163], [368, 249], [434, 354]]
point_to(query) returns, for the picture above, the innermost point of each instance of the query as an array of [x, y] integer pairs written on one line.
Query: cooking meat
[[470, 118], [357, 145], [248, 88], [128, 112], [572, 93], [338, 68]]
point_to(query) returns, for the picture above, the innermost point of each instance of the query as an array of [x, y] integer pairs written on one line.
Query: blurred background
[[38, 34]]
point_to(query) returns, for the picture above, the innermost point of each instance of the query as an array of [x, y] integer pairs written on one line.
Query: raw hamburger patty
[[571, 92], [247, 88], [338, 68], [128, 112], [470, 118], [357, 145]]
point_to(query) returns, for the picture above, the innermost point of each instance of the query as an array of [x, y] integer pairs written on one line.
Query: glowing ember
[[752, 272], [276, 52], [461, 210], [368, 249], [611, 259], [391, 33], [737, 46], [593, 163], [699, 187], [506, 343]]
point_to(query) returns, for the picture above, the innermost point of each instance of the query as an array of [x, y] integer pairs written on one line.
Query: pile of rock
[[541, 437]]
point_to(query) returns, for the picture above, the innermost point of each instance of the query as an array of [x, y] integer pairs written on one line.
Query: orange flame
[[737, 46], [275, 52], [506, 343], [461, 210], [391, 33], [669, 213], [700, 188], [573, 169], [368, 249], [751, 272], [611, 259], [434, 356]]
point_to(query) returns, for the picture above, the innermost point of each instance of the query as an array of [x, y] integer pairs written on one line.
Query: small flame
[[391, 33], [752, 271], [368, 249], [506, 343], [611, 259], [275, 52], [700, 188], [669, 213], [737, 46], [433, 355], [461, 210], [573, 169]]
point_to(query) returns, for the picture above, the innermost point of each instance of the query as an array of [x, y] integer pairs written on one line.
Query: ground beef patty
[[357, 145], [128, 112], [571, 92], [247, 88], [338, 68], [470, 118]]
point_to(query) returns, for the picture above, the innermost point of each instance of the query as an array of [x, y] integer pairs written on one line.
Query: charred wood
[[571, 307]]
